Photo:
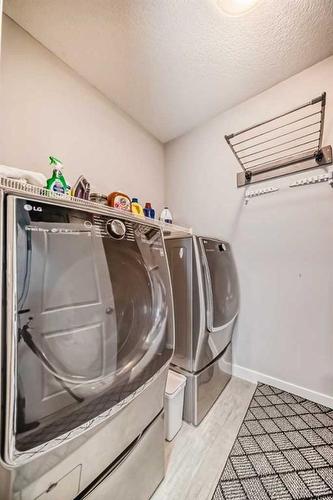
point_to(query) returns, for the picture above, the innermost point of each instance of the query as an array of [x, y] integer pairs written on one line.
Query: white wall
[[283, 243], [47, 109]]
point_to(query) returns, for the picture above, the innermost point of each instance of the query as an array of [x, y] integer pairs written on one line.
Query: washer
[[206, 302]]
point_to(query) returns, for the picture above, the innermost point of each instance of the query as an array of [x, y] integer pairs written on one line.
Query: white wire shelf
[[23, 188]]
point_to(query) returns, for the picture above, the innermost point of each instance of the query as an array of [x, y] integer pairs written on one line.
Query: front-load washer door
[[87, 330], [221, 283]]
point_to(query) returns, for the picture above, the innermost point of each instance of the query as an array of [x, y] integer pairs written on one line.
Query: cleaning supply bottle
[[57, 182], [149, 211], [166, 215], [136, 208], [116, 199]]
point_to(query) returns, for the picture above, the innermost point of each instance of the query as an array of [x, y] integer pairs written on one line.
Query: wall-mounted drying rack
[[283, 145]]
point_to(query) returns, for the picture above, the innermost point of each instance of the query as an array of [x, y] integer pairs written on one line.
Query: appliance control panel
[[121, 229], [53, 218]]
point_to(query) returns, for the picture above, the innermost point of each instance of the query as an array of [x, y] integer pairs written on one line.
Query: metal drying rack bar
[[288, 143], [18, 187]]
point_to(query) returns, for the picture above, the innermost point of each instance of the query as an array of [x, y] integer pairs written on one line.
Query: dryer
[[206, 303], [87, 339]]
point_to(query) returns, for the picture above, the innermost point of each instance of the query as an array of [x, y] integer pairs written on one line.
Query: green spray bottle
[[57, 182]]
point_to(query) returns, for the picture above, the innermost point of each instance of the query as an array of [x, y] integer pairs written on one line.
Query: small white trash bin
[[173, 404]]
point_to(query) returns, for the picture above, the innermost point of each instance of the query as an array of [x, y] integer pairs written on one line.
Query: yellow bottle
[[136, 208]]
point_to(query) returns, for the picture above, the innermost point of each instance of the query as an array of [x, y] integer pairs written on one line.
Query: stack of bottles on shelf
[[122, 201], [116, 199]]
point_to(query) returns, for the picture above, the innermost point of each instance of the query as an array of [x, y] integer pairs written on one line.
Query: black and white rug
[[284, 450]]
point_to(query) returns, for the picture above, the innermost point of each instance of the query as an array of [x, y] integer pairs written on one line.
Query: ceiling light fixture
[[237, 7]]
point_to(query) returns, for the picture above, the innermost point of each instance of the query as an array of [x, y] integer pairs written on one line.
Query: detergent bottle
[[166, 216], [57, 182], [136, 208], [116, 199], [149, 211]]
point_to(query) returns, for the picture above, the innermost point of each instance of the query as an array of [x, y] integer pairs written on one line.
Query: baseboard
[[253, 376]]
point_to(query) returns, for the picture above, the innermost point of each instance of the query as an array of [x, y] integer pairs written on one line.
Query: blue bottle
[[149, 211]]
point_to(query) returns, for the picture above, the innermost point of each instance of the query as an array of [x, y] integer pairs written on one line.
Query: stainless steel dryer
[[206, 303], [87, 339]]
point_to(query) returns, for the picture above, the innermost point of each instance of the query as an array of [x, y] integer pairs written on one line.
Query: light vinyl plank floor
[[197, 455]]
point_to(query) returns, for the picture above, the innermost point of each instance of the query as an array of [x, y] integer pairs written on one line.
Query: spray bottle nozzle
[[54, 161]]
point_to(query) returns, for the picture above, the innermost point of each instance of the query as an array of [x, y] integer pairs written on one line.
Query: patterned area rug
[[284, 450]]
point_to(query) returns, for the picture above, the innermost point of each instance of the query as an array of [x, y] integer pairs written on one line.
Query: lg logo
[[28, 208]]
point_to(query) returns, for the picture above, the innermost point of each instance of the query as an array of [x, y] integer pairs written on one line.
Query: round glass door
[[91, 317], [221, 283]]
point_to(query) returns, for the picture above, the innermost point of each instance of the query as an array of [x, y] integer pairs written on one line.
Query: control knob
[[116, 228]]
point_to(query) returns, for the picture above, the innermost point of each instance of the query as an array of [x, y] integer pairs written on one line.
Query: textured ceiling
[[172, 64]]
